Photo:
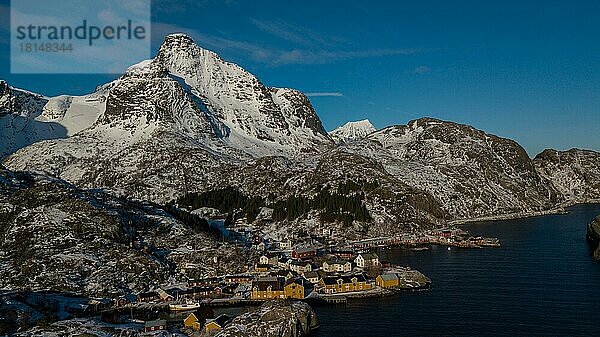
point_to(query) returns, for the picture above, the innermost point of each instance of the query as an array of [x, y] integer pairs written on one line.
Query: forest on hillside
[[343, 205]]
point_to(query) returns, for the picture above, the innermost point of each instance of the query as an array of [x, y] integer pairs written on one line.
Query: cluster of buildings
[[445, 237], [304, 270], [191, 321], [294, 274]]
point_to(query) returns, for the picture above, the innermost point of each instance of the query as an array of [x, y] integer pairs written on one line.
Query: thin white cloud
[[296, 34], [324, 94], [420, 70], [274, 56], [179, 6], [298, 56]]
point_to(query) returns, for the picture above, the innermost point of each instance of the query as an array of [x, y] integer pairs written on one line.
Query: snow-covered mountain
[[188, 121], [26, 117], [469, 172], [255, 116], [352, 131], [92, 243], [184, 113]]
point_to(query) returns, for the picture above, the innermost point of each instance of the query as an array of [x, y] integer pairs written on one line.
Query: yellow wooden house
[[342, 284], [192, 322], [215, 324], [294, 288], [268, 288], [387, 280]]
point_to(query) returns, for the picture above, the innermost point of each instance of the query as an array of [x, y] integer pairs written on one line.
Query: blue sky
[[526, 70]]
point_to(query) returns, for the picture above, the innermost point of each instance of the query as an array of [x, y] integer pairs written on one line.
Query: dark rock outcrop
[[593, 236]]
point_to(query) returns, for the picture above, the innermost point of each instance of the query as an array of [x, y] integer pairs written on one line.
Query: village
[[317, 269]]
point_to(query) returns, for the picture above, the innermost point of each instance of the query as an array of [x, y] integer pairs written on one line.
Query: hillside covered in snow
[[188, 121]]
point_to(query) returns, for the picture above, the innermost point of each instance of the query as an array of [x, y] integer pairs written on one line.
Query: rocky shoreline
[[593, 236], [562, 209], [274, 319]]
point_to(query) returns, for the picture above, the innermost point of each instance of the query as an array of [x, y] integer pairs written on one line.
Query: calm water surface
[[541, 282]]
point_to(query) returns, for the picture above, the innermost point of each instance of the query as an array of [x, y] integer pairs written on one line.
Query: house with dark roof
[[303, 252], [296, 288], [269, 258], [345, 283], [148, 296], [240, 279], [312, 276], [159, 324], [342, 254], [215, 324], [262, 268], [300, 266], [266, 288], [367, 259], [337, 266], [387, 280]]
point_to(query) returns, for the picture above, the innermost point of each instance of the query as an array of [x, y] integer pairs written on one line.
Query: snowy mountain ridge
[[27, 117], [188, 121]]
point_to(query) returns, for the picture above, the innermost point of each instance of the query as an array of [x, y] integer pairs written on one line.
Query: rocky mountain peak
[[281, 118]]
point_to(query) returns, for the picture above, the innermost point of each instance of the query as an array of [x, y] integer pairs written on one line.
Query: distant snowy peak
[[352, 131]]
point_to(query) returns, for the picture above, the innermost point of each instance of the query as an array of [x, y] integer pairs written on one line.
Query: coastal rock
[[593, 236], [412, 280], [89, 327], [273, 319]]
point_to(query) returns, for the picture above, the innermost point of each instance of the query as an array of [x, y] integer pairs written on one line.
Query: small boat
[[417, 249], [449, 248], [184, 306]]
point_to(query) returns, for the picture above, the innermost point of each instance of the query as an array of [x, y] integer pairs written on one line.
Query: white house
[[300, 266], [269, 258], [327, 232], [367, 259], [337, 265], [284, 263], [261, 247]]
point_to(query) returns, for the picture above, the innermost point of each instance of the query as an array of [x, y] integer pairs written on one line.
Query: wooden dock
[[336, 299]]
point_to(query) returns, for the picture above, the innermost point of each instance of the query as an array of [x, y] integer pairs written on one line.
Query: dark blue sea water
[[541, 282]]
